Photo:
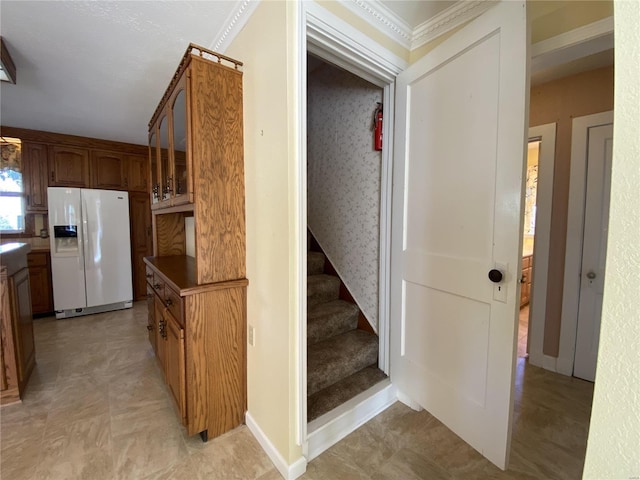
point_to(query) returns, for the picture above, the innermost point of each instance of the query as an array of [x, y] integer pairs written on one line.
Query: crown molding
[[233, 24], [387, 22], [454, 16], [382, 19]]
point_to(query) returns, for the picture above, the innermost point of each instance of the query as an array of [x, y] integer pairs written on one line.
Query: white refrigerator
[[90, 250]]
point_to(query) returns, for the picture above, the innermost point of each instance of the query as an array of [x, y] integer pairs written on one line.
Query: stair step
[[329, 319], [338, 357], [322, 288], [334, 395], [315, 263]]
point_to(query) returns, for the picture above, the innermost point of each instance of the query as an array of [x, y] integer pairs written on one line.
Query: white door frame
[[547, 135], [336, 41], [575, 229]]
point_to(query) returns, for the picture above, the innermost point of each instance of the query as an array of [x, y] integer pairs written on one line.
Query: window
[[12, 197]]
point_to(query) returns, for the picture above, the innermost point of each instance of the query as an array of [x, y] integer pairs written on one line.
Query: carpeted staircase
[[341, 360]]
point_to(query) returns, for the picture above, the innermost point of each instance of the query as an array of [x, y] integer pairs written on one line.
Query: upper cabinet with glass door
[[155, 172], [170, 123], [200, 165], [181, 161]]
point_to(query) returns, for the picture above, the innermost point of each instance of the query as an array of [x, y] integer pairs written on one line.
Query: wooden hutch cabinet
[[196, 278]]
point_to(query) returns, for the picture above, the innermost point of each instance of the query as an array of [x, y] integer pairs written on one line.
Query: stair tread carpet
[[334, 395], [337, 357], [315, 263], [329, 319], [322, 288]]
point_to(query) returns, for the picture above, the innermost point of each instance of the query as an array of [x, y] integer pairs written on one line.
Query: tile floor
[[96, 408]]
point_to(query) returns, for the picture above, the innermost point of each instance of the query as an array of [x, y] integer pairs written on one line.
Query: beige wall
[[266, 46], [551, 18], [560, 101], [613, 447]]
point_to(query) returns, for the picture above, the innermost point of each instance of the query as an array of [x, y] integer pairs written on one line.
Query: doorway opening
[[343, 218], [528, 241]]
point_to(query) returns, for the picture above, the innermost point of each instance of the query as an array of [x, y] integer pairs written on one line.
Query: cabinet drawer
[[158, 285], [37, 259], [173, 301], [148, 273]]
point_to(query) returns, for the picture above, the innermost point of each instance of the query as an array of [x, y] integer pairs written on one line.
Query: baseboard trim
[[329, 429], [288, 472], [409, 402], [544, 361]]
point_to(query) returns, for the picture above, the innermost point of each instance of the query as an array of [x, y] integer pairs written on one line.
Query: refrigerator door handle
[[86, 242]]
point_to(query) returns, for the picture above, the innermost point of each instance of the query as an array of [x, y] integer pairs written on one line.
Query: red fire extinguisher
[[377, 127]]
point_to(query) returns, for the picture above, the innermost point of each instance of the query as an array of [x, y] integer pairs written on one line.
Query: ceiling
[[99, 68]]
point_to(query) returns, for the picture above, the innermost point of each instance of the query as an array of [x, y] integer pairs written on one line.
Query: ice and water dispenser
[[66, 239]]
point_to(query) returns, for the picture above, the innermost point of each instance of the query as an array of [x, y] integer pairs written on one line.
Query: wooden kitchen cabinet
[[40, 281], [137, 173], [18, 351], [203, 326], [108, 170], [119, 171], [174, 361], [69, 167], [151, 316], [141, 243], [160, 327], [34, 156], [525, 281]]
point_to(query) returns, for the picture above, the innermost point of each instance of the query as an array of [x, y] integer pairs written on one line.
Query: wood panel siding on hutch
[[197, 325]]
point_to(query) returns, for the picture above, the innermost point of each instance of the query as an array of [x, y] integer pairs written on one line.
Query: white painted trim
[[233, 24], [383, 19], [549, 363], [343, 45], [573, 37], [301, 431], [386, 188], [583, 41], [408, 401], [380, 17], [329, 429], [445, 21], [288, 471], [547, 135], [575, 229]]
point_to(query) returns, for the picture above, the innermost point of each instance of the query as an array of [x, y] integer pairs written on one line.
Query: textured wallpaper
[[343, 179]]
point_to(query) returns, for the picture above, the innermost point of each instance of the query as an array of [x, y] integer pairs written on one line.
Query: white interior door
[[460, 146], [594, 249]]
